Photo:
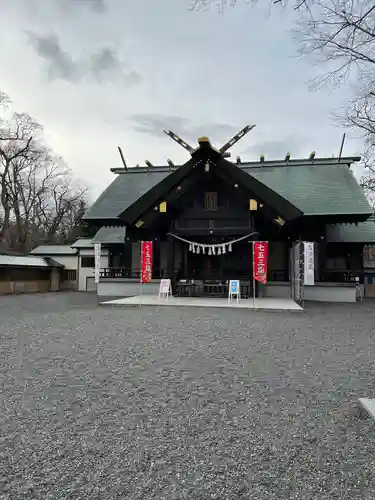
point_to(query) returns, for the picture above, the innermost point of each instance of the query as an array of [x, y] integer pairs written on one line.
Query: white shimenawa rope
[[195, 247]]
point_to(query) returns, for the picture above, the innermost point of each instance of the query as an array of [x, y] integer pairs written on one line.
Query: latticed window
[[210, 201]]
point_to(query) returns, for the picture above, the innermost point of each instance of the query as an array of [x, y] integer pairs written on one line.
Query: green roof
[[329, 189], [124, 191], [107, 235], [325, 187], [363, 232]]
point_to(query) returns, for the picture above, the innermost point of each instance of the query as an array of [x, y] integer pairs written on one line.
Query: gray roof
[[110, 235], [83, 243], [22, 261], [363, 232], [315, 187], [124, 191], [53, 250], [53, 263]]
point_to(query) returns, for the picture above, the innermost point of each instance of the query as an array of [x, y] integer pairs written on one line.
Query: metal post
[[140, 280], [342, 145], [253, 279]]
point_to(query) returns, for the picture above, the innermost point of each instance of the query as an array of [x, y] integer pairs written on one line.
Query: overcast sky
[[103, 73]]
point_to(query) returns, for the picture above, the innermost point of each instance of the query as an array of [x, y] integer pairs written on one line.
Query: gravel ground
[[139, 403]]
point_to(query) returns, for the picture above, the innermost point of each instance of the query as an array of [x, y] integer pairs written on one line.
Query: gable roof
[[27, 261], [53, 263], [363, 232], [124, 191], [107, 235], [193, 170], [321, 189], [83, 243], [53, 250], [316, 187]]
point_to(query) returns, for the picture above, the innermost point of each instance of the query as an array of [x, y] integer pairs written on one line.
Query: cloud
[[107, 63], [96, 5], [154, 124], [277, 149], [61, 64], [102, 66]]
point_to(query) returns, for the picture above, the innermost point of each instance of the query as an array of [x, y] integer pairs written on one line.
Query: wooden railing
[[342, 276], [123, 272], [331, 276], [209, 290]]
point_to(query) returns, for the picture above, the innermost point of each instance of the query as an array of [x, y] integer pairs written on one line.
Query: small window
[[68, 275], [87, 261], [210, 202]]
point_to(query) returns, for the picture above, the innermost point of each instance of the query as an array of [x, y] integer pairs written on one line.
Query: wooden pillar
[[156, 259], [255, 237], [322, 252], [127, 262], [186, 271], [287, 247], [170, 261]]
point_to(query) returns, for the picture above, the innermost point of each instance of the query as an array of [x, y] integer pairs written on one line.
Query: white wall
[[85, 272], [126, 288], [69, 261]]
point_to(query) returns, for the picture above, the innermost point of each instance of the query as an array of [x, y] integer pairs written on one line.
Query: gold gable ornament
[[253, 205], [279, 220]]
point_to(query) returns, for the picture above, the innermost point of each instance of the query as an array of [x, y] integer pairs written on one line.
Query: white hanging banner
[[234, 290], [309, 263], [97, 252], [165, 288]]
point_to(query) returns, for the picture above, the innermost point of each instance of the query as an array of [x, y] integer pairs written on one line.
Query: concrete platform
[[271, 304], [368, 405]]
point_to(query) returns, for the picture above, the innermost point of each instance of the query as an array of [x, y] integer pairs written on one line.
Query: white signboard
[[165, 289], [309, 263], [97, 252], [234, 290]]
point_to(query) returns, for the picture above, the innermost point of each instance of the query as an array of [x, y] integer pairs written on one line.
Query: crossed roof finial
[[205, 139]]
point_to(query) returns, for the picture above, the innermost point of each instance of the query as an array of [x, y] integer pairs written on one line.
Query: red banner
[[146, 261], [260, 255]]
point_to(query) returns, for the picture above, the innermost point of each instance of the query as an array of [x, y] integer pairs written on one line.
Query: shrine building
[[203, 217]]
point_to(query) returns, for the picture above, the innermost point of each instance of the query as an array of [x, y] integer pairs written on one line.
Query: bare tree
[[16, 143], [339, 35], [222, 5], [38, 194], [57, 201]]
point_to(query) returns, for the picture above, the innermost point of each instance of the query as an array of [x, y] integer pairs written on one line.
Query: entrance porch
[[269, 304]]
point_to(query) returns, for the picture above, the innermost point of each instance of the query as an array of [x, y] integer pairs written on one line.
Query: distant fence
[[18, 287]]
